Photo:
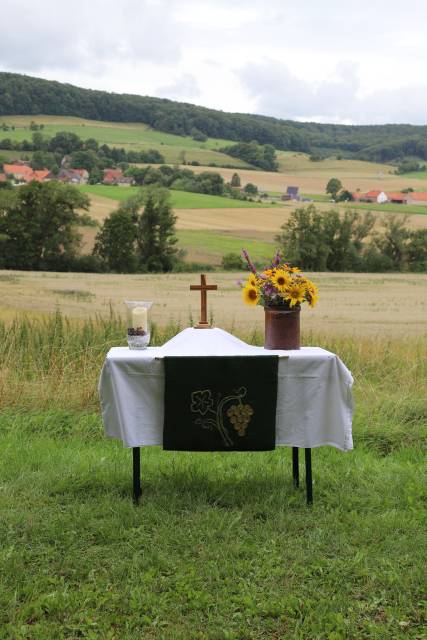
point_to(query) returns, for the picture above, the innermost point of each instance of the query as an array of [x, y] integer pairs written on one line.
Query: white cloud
[[358, 61]]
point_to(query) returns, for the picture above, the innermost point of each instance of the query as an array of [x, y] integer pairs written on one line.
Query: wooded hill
[[26, 95]]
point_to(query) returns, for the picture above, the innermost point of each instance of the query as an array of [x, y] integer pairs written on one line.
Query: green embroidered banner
[[220, 403]]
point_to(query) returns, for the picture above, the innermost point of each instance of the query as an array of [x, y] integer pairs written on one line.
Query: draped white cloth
[[314, 399]]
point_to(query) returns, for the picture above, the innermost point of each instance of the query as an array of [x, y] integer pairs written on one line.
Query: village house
[[3, 177], [414, 197], [292, 193], [391, 197], [24, 173], [73, 176], [115, 176]]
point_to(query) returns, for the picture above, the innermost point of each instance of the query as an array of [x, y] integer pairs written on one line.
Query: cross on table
[[203, 288]]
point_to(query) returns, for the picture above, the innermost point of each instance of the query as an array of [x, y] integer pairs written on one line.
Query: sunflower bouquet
[[279, 285]]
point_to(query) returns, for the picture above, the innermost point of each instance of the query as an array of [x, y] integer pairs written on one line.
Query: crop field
[[312, 177], [350, 304], [134, 136]]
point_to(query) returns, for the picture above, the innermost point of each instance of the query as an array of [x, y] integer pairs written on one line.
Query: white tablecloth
[[314, 400]]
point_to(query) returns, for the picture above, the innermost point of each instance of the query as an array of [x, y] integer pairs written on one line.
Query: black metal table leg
[[295, 467], [308, 476], [136, 474]]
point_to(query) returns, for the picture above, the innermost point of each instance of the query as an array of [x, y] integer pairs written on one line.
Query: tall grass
[[221, 547], [54, 364]]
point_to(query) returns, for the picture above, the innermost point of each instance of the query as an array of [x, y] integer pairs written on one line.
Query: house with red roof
[[115, 176], [417, 197], [24, 173], [397, 198]]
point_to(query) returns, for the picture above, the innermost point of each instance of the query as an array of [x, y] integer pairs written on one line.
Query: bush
[[232, 262]]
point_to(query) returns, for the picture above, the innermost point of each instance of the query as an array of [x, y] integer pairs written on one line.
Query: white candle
[[140, 318]]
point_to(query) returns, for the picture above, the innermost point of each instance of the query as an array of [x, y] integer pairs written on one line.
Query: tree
[[156, 232], [333, 187], [325, 241], [39, 225], [393, 242], [250, 189], [235, 180], [115, 242], [417, 250]]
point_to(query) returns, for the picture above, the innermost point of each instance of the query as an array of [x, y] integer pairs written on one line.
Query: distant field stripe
[[390, 208], [180, 199]]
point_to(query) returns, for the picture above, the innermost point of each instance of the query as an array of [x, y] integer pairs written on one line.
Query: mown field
[[221, 546], [350, 304], [127, 135]]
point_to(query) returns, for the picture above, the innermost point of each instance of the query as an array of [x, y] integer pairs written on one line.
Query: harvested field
[[359, 304], [312, 177]]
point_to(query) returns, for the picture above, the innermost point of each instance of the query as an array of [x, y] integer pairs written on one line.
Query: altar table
[[314, 398]]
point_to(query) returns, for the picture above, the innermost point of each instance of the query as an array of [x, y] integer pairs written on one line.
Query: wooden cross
[[203, 288]]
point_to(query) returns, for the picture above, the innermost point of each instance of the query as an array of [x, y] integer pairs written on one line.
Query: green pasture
[[317, 197], [130, 136], [390, 208], [179, 199], [221, 547], [422, 175], [215, 245]]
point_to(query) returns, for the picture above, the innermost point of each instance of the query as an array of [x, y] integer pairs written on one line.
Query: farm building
[[292, 193], [415, 197]]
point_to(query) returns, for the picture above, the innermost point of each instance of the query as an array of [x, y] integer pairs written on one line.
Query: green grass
[[317, 197], [390, 208], [215, 245], [180, 199], [221, 547], [422, 175]]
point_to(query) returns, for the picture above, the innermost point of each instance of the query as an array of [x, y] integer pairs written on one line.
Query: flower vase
[[282, 328]]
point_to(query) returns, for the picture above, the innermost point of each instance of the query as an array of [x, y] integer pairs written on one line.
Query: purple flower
[[249, 261], [277, 257]]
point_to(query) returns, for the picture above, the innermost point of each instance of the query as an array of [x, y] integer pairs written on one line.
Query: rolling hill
[[26, 95]]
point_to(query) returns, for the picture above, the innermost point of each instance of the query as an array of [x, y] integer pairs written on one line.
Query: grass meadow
[[135, 136], [221, 546], [179, 199]]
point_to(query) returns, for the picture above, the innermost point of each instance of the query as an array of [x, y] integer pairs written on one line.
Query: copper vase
[[282, 328]]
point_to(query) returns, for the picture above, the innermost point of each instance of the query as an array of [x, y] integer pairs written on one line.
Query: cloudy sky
[[346, 61]]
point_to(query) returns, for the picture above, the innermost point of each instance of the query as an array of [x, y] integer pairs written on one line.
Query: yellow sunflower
[[251, 281], [312, 294], [250, 295], [281, 279], [295, 293]]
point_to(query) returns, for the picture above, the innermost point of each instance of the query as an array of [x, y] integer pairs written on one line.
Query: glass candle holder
[[138, 323]]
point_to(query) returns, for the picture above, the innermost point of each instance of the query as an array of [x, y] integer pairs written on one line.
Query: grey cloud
[[89, 38], [280, 93]]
